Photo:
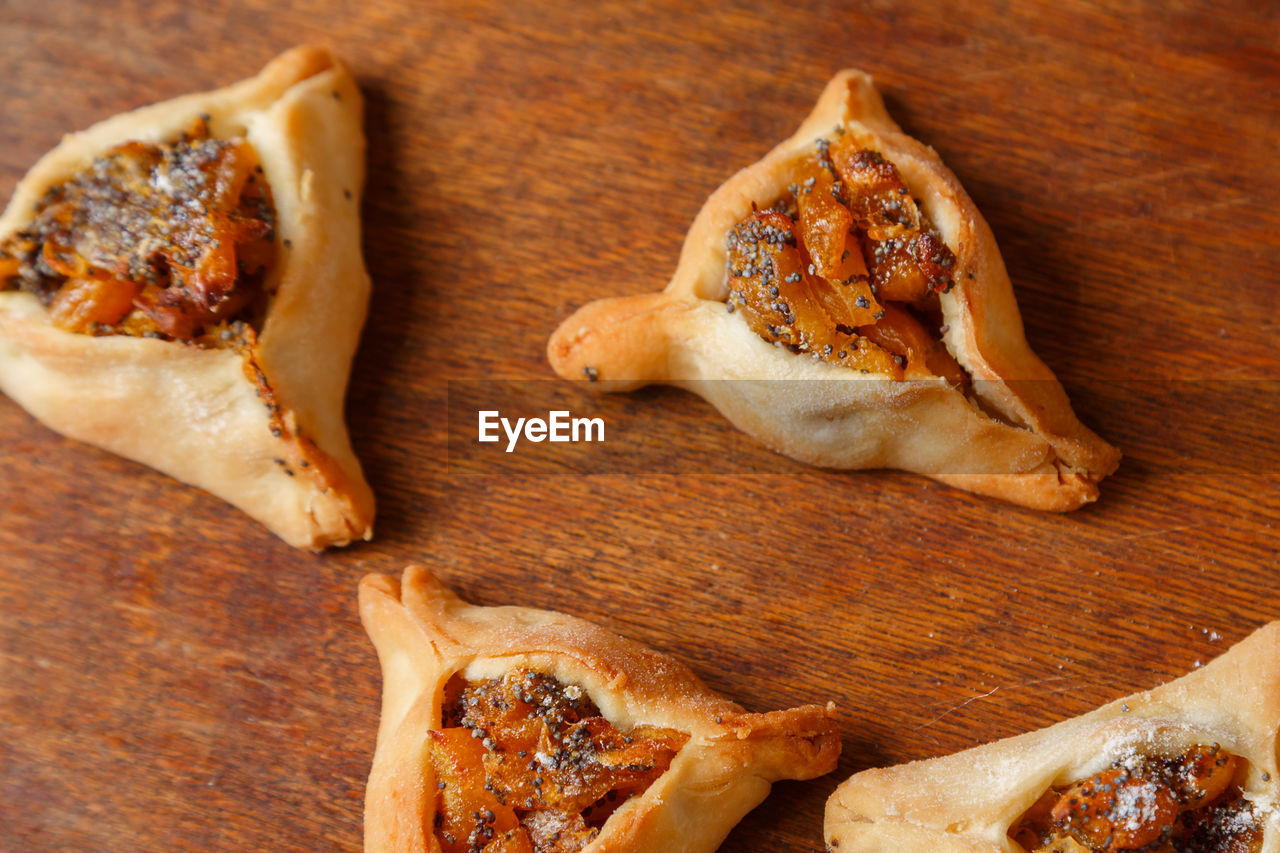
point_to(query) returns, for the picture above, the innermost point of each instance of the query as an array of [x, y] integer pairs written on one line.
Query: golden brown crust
[[1033, 451], [424, 634], [968, 801], [262, 428]]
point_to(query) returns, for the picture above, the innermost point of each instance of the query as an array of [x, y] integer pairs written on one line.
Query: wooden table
[[172, 677]]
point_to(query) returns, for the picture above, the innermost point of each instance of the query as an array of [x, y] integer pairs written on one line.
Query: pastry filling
[[167, 241], [1191, 803], [526, 764], [846, 267]]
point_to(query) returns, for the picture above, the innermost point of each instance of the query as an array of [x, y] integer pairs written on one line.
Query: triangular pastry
[[1189, 767], [850, 254], [183, 285], [509, 729]]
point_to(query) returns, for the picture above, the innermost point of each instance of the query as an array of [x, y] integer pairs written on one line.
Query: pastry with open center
[[1192, 802], [844, 302], [1188, 767], [183, 285], [511, 730]]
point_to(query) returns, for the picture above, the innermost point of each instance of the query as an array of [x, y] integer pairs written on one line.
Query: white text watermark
[[559, 426]]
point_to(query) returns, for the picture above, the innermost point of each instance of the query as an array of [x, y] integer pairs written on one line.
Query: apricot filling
[[156, 240], [1191, 803], [846, 267], [526, 764]]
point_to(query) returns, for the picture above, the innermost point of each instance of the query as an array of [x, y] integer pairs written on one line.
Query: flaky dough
[[424, 634], [262, 428], [967, 802], [1018, 440]]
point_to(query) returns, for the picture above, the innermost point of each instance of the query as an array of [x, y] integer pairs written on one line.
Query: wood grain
[[173, 677]]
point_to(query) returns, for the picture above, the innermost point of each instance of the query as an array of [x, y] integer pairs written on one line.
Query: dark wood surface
[[172, 677]]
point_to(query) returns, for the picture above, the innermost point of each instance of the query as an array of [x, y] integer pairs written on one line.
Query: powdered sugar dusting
[[1137, 805]]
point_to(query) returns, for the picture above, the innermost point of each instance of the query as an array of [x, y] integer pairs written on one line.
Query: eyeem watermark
[[559, 426]]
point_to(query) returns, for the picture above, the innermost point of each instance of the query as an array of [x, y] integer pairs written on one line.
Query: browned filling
[[170, 241], [846, 267], [525, 764], [1191, 803]]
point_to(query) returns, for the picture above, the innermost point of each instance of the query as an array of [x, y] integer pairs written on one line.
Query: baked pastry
[[1189, 767], [510, 729], [850, 254], [183, 285]]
